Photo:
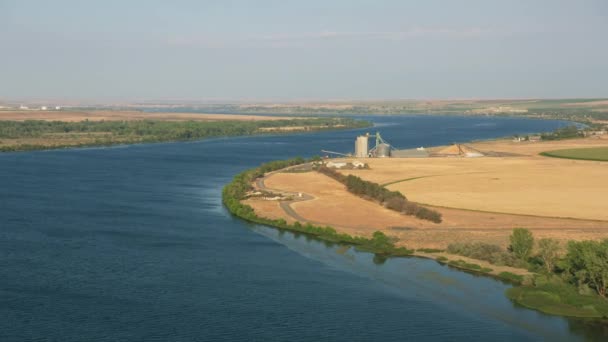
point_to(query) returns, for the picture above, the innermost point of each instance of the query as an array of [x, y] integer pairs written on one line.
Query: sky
[[286, 50]]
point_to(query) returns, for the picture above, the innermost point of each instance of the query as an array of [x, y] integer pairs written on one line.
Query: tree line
[[393, 200], [584, 265]]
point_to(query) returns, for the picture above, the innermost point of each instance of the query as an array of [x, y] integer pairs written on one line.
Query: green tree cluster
[[587, 264]]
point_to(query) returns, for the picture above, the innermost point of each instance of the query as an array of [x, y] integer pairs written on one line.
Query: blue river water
[[131, 243]]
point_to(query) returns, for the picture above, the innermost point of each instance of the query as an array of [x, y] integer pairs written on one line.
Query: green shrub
[[487, 252], [516, 278], [429, 250], [548, 252], [522, 242]]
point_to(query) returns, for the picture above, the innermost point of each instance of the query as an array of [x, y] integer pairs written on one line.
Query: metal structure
[[336, 153], [382, 148]]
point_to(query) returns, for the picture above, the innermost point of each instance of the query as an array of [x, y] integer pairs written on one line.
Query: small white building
[[43, 108], [359, 165], [335, 165]]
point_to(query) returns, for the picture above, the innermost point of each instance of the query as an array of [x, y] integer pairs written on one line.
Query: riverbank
[[111, 128]]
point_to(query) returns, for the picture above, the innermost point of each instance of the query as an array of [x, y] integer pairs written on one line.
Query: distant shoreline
[[117, 128]]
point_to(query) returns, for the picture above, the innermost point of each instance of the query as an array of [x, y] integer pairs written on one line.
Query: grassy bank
[[595, 153], [39, 135], [558, 298]]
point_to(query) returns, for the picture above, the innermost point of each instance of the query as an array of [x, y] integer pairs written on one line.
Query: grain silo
[[383, 150], [361, 146]]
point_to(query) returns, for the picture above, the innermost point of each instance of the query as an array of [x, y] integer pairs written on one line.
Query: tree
[[522, 242], [587, 263], [547, 250], [380, 241]]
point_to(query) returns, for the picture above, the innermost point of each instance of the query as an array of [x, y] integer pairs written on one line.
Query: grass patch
[[559, 298], [516, 278], [442, 259], [594, 153], [430, 250], [465, 265]]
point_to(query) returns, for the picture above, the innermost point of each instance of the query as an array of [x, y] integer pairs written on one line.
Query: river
[[131, 243]]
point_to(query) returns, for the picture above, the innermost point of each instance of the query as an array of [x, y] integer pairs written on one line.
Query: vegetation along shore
[[110, 128]]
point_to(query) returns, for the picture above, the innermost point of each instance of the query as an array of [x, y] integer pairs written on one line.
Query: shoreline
[[19, 136]]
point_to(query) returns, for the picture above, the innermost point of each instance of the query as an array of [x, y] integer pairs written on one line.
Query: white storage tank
[[361, 146]]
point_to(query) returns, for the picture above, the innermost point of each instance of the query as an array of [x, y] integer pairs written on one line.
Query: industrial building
[[382, 149]]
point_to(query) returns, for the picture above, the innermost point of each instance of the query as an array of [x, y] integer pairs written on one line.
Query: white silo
[[361, 146]]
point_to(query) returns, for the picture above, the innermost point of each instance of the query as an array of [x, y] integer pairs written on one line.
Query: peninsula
[[476, 200]]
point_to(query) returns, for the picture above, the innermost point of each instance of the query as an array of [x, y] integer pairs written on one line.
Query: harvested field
[[533, 148], [526, 186], [332, 203], [110, 115]]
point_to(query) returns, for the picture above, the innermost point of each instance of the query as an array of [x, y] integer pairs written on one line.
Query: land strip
[[108, 128], [119, 115]]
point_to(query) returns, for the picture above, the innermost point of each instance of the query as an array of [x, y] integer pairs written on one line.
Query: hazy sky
[[308, 49]]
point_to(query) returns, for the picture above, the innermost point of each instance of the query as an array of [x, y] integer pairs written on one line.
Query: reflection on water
[[430, 281]]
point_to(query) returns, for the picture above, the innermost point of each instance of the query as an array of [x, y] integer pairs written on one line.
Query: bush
[[522, 242], [430, 250], [516, 278], [547, 251], [396, 203], [483, 251]]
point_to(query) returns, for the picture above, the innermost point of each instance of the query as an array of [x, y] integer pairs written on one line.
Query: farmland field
[[597, 154]]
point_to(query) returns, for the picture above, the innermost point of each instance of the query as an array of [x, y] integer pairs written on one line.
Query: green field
[[595, 153]]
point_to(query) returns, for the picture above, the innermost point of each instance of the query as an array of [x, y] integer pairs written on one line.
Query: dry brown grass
[[110, 115]]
